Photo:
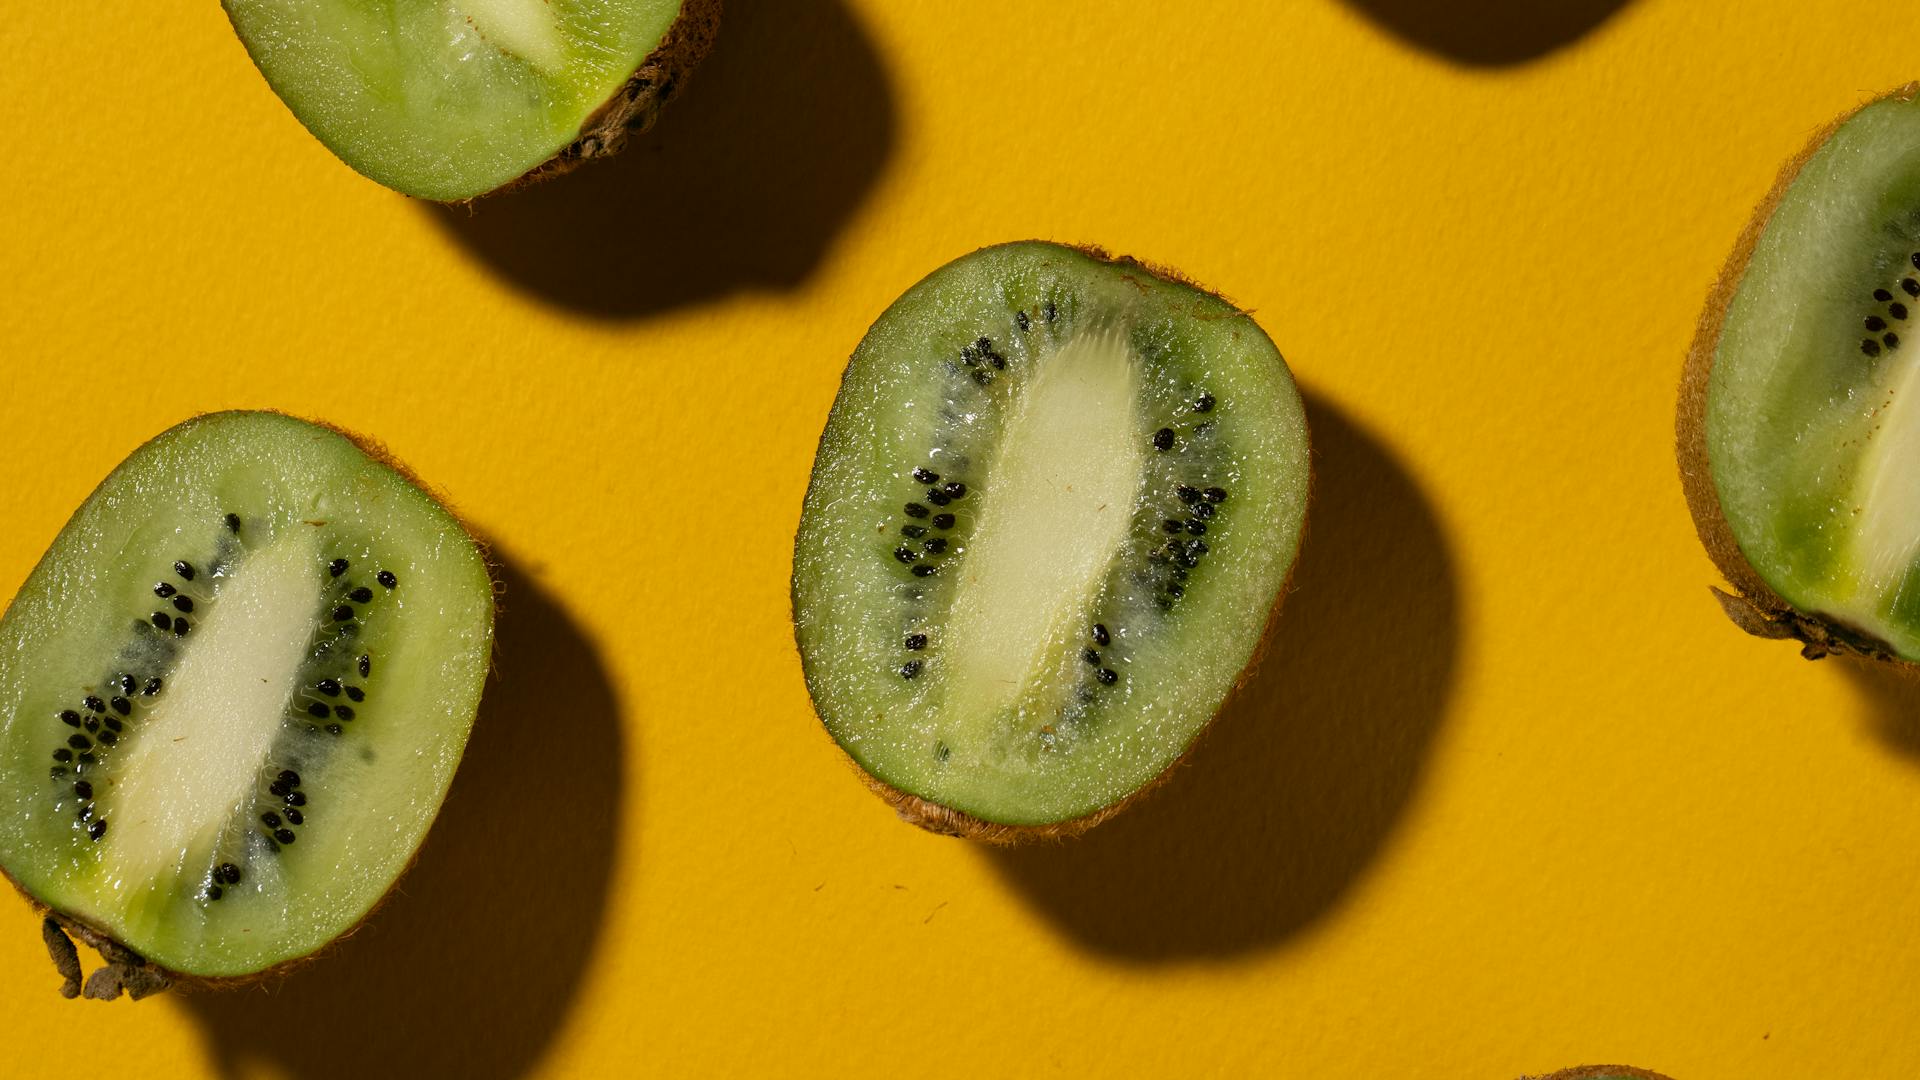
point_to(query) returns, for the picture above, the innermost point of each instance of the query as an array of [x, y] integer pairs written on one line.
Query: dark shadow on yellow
[[1296, 788], [743, 184], [471, 967], [1893, 696], [1490, 33]]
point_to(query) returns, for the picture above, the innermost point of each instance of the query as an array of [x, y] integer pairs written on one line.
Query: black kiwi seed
[[92, 724], [343, 613], [1020, 319], [294, 817], [935, 546], [70, 718], [909, 669], [343, 712], [318, 711], [214, 892], [1202, 509], [329, 687], [163, 620], [1910, 286], [913, 532], [125, 683], [285, 836], [1187, 494], [1892, 340], [925, 570], [1882, 295], [1897, 310], [337, 567], [290, 777], [228, 873], [180, 628], [1171, 525], [354, 693], [937, 497], [94, 704], [164, 590], [114, 724], [183, 604], [1163, 439], [98, 829], [334, 729], [386, 579], [955, 490], [366, 666], [233, 523], [85, 758], [916, 642], [1197, 527], [905, 554], [63, 755], [108, 738], [1916, 260], [1053, 312], [1176, 591], [83, 790], [926, 476], [152, 687], [1108, 676], [943, 521], [296, 798], [122, 706], [58, 772], [1215, 495], [270, 819], [915, 510], [1100, 635], [1204, 403], [1090, 656], [1870, 347], [279, 787], [360, 595], [184, 569]]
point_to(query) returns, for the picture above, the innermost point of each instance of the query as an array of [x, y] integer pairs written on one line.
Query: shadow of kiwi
[[743, 184], [1892, 696], [1296, 787], [471, 966], [1490, 33]]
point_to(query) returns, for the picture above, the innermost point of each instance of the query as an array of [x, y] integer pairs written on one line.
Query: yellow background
[[1510, 793]]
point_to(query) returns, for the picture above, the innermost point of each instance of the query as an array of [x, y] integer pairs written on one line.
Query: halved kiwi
[[1800, 408], [232, 696], [453, 100], [1052, 512]]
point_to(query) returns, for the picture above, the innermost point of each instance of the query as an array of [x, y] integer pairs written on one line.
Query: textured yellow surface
[[1509, 795]]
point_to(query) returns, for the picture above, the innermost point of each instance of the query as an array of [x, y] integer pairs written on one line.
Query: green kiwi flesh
[[453, 100], [1053, 508], [1803, 397], [233, 694]]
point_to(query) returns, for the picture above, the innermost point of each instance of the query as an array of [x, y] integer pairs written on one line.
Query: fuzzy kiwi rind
[[945, 820], [1602, 1073], [124, 970], [1753, 605], [630, 110]]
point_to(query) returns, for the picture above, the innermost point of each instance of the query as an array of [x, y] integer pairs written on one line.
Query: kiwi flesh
[[232, 696], [1800, 406], [1052, 512], [450, 101]]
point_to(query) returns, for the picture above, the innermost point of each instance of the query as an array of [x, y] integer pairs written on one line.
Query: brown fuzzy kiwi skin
[[1592, 1071], [140, 977], [1754, 606], [637, 104], [945, 820]]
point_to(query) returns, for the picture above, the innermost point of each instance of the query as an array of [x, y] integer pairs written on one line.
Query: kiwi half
[[1800, 407], [1053, 509], [232, 696], [453, 100]]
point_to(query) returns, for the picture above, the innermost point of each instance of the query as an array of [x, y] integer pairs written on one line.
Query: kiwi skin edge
[[945, 820], [140, 977], [1753, 605]]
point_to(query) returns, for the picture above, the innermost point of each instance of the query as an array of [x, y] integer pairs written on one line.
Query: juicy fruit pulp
[[451, 100], [1052, 509], [234, 691], [1810, 415]]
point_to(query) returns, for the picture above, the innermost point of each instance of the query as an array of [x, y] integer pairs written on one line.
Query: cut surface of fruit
[[1051, 514], [1804, 390], [233, 694], [451, 100]]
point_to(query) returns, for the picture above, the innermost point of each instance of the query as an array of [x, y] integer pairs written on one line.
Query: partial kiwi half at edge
[[233, 694], [450, 101], [1053, 510], [1799, 418]]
